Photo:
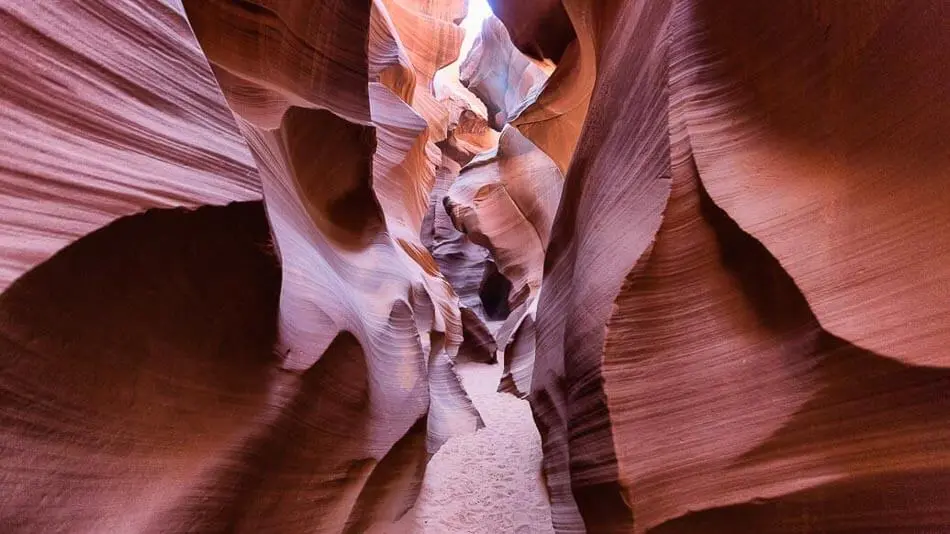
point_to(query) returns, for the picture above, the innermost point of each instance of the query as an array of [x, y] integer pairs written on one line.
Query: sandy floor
[[488, 482]]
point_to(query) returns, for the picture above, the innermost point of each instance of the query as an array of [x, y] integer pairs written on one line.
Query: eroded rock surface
[[246, 243], [285, 366], [540, 28], [704, 363], [346, 201], [91, 129], [463, 263], [507, 204], [501, 76]]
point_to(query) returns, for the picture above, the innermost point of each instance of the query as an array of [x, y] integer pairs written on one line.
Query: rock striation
[[278, 366], [92, 130], [502, 77], [506, 203], [245, 244], [730, 335]]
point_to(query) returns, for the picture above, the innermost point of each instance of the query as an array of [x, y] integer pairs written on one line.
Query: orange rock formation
[[245, 243]]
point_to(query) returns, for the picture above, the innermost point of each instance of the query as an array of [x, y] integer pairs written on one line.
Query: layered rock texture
[[742, 310], [284, 366], [247, 245], [504, 79]]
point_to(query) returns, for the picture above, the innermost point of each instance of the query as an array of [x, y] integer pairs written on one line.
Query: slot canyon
[[475, 266]]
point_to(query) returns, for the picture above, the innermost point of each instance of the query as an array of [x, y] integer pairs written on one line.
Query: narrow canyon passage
[[475, 266], [391, 235], [489, 482]]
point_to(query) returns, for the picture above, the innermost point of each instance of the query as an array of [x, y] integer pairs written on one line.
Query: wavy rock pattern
[[554, 121], [860, 171], [539, 28], [507, 204], [246, 243], [92, 130], [292, 368], [722, 337], [463, 263], [346, 202], [503, 78]]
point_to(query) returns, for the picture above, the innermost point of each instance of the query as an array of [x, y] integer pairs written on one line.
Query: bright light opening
[[478, 11]]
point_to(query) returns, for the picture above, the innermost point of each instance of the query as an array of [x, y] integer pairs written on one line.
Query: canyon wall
[[284, 365], [743, 304], [245, 243]]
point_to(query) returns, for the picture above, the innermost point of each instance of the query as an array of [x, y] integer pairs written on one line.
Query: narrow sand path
[[488, 482]]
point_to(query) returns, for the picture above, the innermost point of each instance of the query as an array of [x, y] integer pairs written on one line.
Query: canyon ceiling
[[246, 245]]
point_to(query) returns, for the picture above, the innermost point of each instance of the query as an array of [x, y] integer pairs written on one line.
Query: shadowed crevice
[[494, 292], [129, 359]]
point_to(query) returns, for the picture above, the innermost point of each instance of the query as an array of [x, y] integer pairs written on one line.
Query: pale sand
[[488, 482]]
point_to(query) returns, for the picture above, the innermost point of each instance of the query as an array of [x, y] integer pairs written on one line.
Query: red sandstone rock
[[507, 204], [854, 133], [502, 77], [174, 371], [554, 121], [346, 203], [93, 127], [465, 265], [705, 257], [540, 28], [728, 315]]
